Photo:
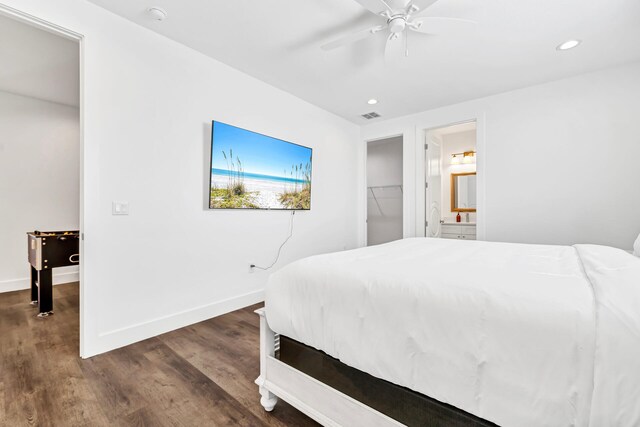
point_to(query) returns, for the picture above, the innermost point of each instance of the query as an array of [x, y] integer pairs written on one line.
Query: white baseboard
[[21, 284], [121, 337]]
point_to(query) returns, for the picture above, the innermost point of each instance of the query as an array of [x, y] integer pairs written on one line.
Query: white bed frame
[[324, 404]]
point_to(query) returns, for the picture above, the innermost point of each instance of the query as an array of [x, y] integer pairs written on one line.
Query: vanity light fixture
[[372, 101], [467, 158]]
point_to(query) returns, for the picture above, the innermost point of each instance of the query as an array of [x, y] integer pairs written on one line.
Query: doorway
[[40, 155], [451, 186], [384, 190]]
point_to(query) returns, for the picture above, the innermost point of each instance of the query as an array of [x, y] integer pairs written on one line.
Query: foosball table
[[49, 250]]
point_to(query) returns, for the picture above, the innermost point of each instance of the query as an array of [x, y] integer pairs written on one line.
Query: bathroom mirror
[[463, 192]]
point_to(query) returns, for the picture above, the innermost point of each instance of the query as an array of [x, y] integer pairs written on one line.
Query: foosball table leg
[[34, 286], [45, 293]]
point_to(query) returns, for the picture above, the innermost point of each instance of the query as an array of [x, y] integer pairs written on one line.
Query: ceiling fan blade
[[352, 38], [443, 26], [375, 6], [396, 48], [417, 7]]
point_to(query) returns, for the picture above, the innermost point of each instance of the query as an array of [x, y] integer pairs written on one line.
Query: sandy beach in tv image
[[254, 171]]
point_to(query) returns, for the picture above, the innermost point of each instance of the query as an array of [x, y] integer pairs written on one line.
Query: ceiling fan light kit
[[397, 24], [398, 20]]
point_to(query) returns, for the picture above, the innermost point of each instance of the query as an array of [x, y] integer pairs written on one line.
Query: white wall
[[148, 103], [39, 180], [454, 143], [384, 178], [554, 160]]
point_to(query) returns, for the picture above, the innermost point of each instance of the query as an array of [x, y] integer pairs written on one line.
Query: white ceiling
[[513, 46], [38, 64]]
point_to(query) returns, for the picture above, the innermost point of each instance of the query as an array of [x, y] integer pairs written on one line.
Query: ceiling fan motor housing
[[397, 24], [400, 16]]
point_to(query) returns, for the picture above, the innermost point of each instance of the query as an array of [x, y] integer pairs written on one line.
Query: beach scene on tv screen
[[253, 171]]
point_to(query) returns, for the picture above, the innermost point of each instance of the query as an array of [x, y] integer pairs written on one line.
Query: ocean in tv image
[[254, 171]]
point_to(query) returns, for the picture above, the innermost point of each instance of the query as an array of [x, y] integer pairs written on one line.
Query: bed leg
[[267, 348], [268, 399]]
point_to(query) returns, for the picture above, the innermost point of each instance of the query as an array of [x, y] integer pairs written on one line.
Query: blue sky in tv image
[[261, 156]]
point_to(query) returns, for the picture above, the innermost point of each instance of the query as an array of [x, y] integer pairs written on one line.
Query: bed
[[512, 334]]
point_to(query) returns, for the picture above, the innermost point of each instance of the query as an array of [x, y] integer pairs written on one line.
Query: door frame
[[50, 27]]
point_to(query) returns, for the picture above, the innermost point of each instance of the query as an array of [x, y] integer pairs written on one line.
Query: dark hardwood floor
[[201, 375]]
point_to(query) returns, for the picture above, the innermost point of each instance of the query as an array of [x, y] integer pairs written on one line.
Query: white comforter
[[521, 335]]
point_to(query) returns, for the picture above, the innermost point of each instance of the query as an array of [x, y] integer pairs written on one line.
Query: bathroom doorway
[[451, 182]]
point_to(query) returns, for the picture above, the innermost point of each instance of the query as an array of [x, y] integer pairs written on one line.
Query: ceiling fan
[[402, 16]]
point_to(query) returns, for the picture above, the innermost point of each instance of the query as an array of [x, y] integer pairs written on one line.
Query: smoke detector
[[157, 14]]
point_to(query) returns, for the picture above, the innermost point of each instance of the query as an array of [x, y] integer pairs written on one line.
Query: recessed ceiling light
[[157, 14], [569, 44], [372, 101]]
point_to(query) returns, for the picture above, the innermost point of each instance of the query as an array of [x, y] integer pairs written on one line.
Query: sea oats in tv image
[[254, 171]]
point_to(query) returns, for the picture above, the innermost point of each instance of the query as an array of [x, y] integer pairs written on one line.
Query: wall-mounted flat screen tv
[[254, 171]]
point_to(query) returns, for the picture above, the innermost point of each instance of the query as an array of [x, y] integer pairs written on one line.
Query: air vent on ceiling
[[371, 115]]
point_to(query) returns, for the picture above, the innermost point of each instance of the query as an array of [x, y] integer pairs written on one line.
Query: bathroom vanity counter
[[458, 230]]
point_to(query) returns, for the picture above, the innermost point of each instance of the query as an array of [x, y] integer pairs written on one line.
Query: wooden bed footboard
[[335, 394], [324, 404]]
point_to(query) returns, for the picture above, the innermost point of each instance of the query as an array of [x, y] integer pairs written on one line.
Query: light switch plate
[[120, 208]]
